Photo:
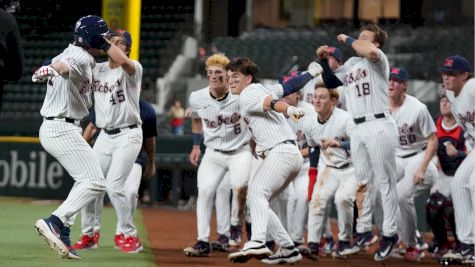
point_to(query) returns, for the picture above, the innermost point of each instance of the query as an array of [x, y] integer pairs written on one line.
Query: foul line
[[19, 139]]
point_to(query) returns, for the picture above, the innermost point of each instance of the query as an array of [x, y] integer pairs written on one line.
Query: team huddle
[[341, 132]]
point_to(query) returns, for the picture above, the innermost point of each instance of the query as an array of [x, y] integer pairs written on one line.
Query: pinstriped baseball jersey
[[268, 128], [116, 94], [223, 126], [298, 127], [70, 97], [338, 126], [366, 86], [414, 125], [309, 89], [463, 108]]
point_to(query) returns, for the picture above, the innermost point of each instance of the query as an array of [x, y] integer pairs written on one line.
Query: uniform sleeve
[[252, 99], [425, 122], [192, 104], [78, 63], [277, 89], [382, 66], [136, 79]]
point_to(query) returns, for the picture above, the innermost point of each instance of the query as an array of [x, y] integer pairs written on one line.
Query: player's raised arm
[[362, 47], [117, 54]]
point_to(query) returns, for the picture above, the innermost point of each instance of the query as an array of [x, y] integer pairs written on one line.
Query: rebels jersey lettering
[[366, 86], [223, 126], [70, 96], [414, 125], [116, 96], [455, 136]]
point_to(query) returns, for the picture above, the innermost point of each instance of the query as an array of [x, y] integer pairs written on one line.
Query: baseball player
[[144, 166], [116, 90], [417, 145], [451, 151], [68, 97], [275, 143], [457, 78], [328, 134], [374, 139], [216, 117]]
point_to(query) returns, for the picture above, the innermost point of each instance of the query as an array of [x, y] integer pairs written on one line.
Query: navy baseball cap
[[123, 33], [333, 51], [456, 63], [399, 73]]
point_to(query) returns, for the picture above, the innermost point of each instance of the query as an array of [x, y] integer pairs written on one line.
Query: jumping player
[[374, 139], [67, 100]]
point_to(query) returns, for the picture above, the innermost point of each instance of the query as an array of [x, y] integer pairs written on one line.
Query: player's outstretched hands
[[341, 38], [42, 74], [314, 69], [322, 52], [295, 113]]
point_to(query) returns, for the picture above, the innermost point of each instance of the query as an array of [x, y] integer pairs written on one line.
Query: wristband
[[349, 41], [106, 46], [272, 104], [197, 138]]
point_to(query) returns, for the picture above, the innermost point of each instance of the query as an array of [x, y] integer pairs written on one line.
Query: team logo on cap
[[395, 71], [448, 62], [331, 49]]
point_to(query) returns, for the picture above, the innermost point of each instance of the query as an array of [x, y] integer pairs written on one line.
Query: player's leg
[[126, 146], [322, 197], [239, 178], [344, 201], [280, 166], [210, 173], [300, 204], [64, 142], [223, 214], [381, 143]]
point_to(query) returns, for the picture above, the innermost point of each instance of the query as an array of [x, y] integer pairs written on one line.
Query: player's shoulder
[[76, 55], [470, 85], [199, 96], [307, 107], [414, 103]]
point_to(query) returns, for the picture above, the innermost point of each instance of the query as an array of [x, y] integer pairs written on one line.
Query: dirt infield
[[170, 231]]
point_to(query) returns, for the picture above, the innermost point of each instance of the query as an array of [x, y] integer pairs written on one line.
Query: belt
[[341, 167], [229, 151], [118, 130], [68, 120], [413, 153], [363, 119]]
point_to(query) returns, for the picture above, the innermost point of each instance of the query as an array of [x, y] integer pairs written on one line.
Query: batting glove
[[315, 69], [295, 113], [43, 73]]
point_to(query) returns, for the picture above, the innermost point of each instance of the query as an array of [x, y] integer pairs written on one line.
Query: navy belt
[[363, 119], [290, 142], [68, 120], [341, 167], [118, 130]]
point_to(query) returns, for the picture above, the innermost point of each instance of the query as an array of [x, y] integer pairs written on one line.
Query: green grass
[[20, 244]]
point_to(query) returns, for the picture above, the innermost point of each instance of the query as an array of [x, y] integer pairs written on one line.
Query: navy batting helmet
[[89, 32]]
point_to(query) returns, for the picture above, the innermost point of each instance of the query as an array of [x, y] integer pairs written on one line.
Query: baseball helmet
[[90, 31]]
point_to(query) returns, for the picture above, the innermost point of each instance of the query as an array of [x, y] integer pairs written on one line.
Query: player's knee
[[343, 200], [206, 192]]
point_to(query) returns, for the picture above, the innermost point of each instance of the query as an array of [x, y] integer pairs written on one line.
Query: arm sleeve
[[314, 156], [137, 77], [296, 83], [329, 78], [426, 123], [252, 99]]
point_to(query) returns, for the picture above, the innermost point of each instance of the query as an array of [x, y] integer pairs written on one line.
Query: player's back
[[70, 97], [116, 96], [463, 107], [223, 126], [366, 86]]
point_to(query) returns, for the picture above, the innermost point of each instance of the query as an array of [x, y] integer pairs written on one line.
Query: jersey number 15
[[119, 97]]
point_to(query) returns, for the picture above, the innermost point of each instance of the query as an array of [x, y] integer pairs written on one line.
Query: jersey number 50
[[119, 97]]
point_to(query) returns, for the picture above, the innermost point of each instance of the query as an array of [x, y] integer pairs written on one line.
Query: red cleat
[[132, 245], [85, 242]]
